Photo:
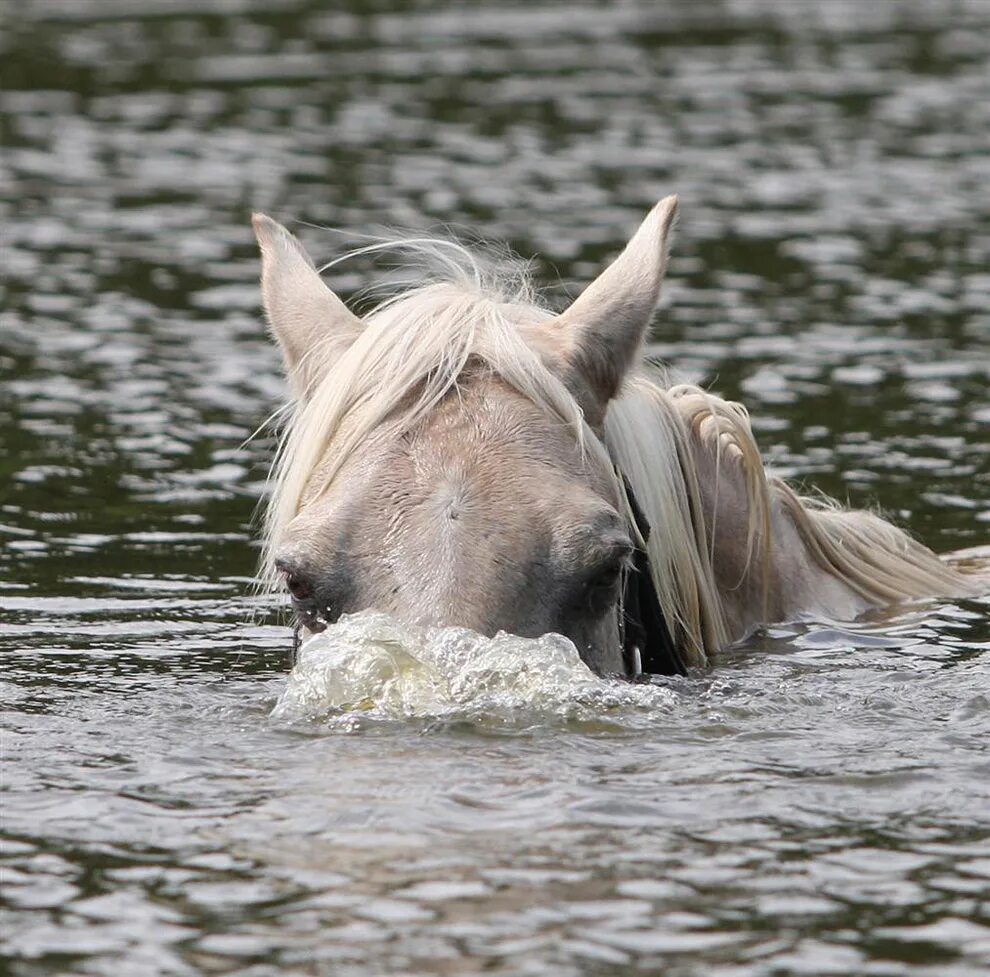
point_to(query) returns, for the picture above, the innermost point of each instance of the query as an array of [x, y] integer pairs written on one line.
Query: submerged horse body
[[463, 456]]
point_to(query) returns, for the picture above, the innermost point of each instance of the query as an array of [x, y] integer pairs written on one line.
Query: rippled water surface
[[817, 803]]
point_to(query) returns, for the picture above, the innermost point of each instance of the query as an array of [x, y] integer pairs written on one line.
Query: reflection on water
[[816, 804]]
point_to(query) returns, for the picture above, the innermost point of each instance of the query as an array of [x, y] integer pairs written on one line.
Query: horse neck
[[776, 555], [764, 570]]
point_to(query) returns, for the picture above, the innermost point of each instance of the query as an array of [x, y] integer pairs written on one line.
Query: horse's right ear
[[311, 325], [604, 327]]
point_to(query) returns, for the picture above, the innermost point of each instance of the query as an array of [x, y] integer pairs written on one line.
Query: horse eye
[[297, 584], [601, 590], [298, 587]]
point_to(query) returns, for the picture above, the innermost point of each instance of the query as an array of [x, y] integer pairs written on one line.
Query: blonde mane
[[414, 347]]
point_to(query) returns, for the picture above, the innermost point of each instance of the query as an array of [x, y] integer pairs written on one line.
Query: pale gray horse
[[462, 456]]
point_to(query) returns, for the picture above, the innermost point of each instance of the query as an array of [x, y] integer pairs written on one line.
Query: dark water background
[[819, 803]]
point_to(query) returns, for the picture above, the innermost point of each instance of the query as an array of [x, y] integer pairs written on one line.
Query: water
[[818, 803], [367, 665]]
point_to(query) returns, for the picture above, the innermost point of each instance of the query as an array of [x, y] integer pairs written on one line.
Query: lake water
[[818, 803]]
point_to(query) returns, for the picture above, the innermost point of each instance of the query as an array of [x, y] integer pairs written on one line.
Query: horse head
[[445, 459]]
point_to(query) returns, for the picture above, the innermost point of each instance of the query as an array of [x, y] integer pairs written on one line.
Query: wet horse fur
[[463, 456]]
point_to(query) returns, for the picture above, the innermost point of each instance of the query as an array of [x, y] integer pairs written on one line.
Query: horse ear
[[604, 327], [311, 325]]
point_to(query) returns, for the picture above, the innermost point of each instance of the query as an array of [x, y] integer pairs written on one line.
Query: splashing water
[[369, 664]]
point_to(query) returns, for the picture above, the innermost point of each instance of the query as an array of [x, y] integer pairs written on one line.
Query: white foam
[[367, 663]]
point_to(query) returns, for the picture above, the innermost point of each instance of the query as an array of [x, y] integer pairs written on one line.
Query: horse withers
[[462, 456]]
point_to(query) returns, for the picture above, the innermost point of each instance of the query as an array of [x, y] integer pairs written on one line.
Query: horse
[[463, 456]]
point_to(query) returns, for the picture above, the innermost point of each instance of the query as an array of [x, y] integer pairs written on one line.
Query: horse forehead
[[487, 425], [486, 463], [492, 462], [484, 448], [488, 440]]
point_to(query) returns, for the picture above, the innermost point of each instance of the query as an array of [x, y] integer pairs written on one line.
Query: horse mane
[[649, 441], [653, 421], [415, 346]]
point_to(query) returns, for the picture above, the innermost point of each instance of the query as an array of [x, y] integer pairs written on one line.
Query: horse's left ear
[[310, 323], [604, 327]]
